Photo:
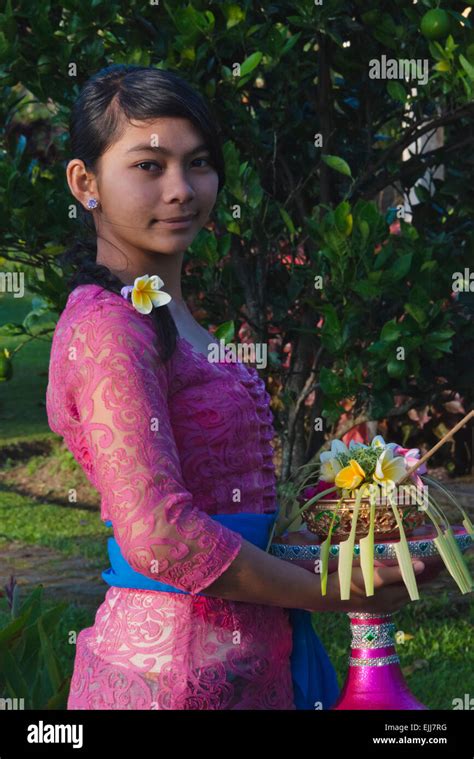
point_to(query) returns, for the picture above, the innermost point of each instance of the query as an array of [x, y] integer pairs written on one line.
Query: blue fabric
[[314, 678]]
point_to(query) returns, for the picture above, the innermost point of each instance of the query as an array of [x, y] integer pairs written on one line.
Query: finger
[[383, 576], [388, 575]]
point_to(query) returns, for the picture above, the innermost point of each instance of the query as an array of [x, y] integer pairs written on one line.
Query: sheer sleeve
[[119, 388]]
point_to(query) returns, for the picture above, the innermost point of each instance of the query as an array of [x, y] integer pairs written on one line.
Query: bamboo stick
[[432, 450]]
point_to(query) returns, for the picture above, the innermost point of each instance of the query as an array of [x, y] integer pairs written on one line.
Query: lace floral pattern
[[167, 446]]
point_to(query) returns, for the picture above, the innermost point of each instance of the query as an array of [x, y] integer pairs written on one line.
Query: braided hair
[[139, 93]]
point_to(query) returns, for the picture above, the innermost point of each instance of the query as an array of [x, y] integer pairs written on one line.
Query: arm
[[119, 388], [257, 577]]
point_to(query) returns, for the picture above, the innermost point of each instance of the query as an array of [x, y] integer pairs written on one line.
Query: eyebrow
[[165, 151]]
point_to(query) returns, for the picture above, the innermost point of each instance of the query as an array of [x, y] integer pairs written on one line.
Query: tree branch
[[411, 135]]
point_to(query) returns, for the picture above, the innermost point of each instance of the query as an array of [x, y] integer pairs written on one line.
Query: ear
[[82, 183]]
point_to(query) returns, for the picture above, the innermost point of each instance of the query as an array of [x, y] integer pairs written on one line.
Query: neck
[[127, 266]]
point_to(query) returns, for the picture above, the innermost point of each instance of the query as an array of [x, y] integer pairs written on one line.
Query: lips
[[188, 217]]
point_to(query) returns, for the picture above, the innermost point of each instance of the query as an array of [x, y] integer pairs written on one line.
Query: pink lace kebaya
[[166, 446]]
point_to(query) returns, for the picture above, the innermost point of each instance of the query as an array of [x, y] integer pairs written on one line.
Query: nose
[[176, 187]]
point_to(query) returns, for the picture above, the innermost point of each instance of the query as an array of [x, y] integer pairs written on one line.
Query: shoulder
[[96, 319], [97, 298], [105, 310]]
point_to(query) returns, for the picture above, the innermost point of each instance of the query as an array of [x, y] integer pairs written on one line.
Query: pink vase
[[374, 679]]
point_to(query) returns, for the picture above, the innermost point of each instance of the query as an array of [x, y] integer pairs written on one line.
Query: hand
[[390, 593]]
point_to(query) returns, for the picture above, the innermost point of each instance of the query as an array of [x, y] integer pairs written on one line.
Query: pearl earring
[[92, 203]]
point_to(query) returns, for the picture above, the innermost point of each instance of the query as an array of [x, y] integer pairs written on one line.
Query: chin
[[169, 248]]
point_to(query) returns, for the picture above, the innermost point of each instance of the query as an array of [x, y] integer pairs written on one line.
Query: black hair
[[138, 93]]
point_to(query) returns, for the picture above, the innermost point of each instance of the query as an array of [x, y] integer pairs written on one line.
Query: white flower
[[330, 466], [329, 469], [353, 444], [337, 447], [389, 467], [379, 444], [146, 293]]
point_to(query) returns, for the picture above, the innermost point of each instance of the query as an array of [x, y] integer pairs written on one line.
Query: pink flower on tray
[[311, 491], [411, 456]]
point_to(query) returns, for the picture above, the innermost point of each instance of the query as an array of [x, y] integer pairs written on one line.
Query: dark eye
[[153, 163], [148, 163], [201, 159]]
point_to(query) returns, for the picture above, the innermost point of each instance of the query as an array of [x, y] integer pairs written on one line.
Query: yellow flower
[[146, 293], [351, 476]]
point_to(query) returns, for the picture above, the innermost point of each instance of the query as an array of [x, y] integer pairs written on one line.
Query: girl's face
[[157, 170]]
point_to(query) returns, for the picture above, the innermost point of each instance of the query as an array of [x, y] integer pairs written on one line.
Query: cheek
[[206, 189], [126, 195]]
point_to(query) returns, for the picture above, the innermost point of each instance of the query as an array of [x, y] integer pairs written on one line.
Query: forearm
[[257, 577]]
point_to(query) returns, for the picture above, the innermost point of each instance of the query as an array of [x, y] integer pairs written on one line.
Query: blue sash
[[314, 678]]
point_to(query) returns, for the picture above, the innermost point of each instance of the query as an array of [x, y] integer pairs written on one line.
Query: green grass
[[67, 529], [22, 399]]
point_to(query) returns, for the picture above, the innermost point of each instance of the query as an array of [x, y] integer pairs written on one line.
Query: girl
[[197, 615]]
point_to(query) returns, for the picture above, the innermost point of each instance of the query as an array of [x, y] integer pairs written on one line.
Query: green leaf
[[8, 633], [250, 63], [381, 404], [396, 368], [346, 554], [423, 195], [50, 658], [233, 14], [468, 67], [440, 335], [340, 215], [379, 348], [401, 267], [338, 164], [9, 329], [417, 312], [225, 331], [391, 331], [330, 382], [53, 278], [290, 43], [331, 319], [438, 341], [14, 680], [364, 230], [204, 247], [408, 231], [383, 256], [396, 91], [332, 410], [58, 701], [286, 218], [38, 322], [437, 51], [223, 245], [450, 45], [366, 289]]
